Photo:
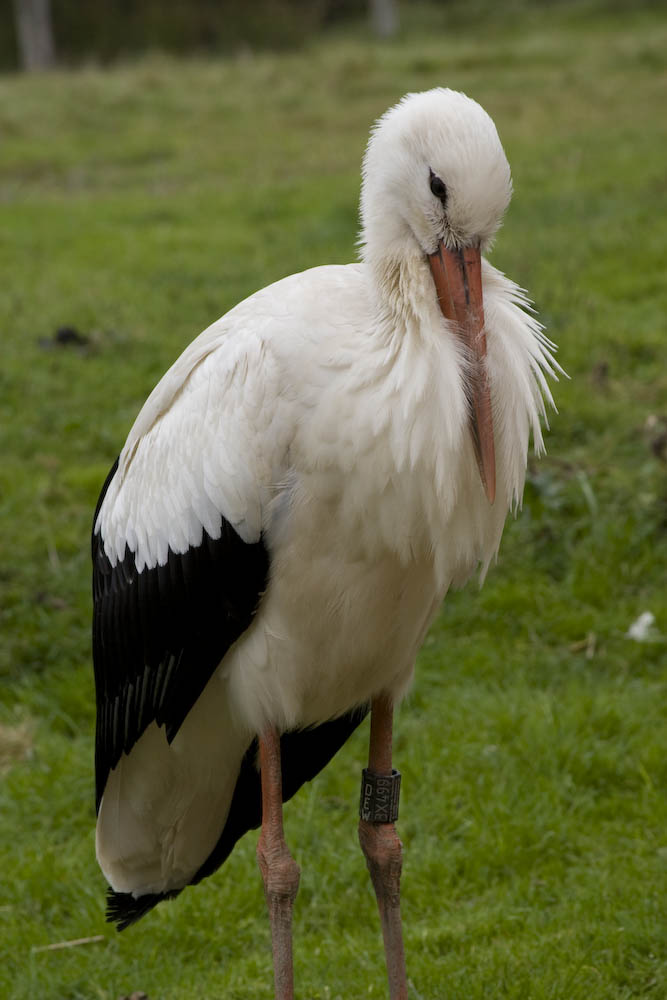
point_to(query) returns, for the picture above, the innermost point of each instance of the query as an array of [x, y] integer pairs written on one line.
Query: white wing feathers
[[205, 444]]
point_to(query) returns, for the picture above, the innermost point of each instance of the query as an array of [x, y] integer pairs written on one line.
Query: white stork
[[288, 512]]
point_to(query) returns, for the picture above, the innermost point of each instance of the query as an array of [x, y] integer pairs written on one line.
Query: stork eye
[[438, 187]]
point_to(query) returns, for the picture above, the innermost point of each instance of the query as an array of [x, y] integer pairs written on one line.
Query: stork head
[[434, 172], [436, 184]]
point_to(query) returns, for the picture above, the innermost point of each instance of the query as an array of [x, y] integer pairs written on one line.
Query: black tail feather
[[124, 909]]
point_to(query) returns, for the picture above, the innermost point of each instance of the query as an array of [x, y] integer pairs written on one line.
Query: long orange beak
[[458, 282]]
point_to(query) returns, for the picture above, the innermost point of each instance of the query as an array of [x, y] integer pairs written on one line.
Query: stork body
[[294, 501]]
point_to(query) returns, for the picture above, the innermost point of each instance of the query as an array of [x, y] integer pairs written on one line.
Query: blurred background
[[159, 162], [47, 31]]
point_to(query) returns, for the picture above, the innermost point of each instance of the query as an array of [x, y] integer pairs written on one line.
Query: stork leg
[[379, 840], [280, 872]]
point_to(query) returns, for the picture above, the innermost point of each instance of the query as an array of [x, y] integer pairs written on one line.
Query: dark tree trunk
[[384, 17], [34, 32]]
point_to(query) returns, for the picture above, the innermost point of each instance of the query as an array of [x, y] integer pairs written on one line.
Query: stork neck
[[403, 286]]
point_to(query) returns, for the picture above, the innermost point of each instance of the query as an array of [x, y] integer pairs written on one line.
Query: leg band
[[379, 797]]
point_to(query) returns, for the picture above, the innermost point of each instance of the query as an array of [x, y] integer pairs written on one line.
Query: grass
[[139, 203]]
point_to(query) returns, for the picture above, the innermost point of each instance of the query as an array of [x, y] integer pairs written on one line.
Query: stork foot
[[383, 852]]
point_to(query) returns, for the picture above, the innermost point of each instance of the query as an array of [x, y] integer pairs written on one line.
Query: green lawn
[[141, 202]]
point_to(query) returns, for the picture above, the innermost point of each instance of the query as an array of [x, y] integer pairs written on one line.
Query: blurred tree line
[[34, 32]]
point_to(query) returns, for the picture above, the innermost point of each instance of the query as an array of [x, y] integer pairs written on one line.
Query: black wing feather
[[159, 634]]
